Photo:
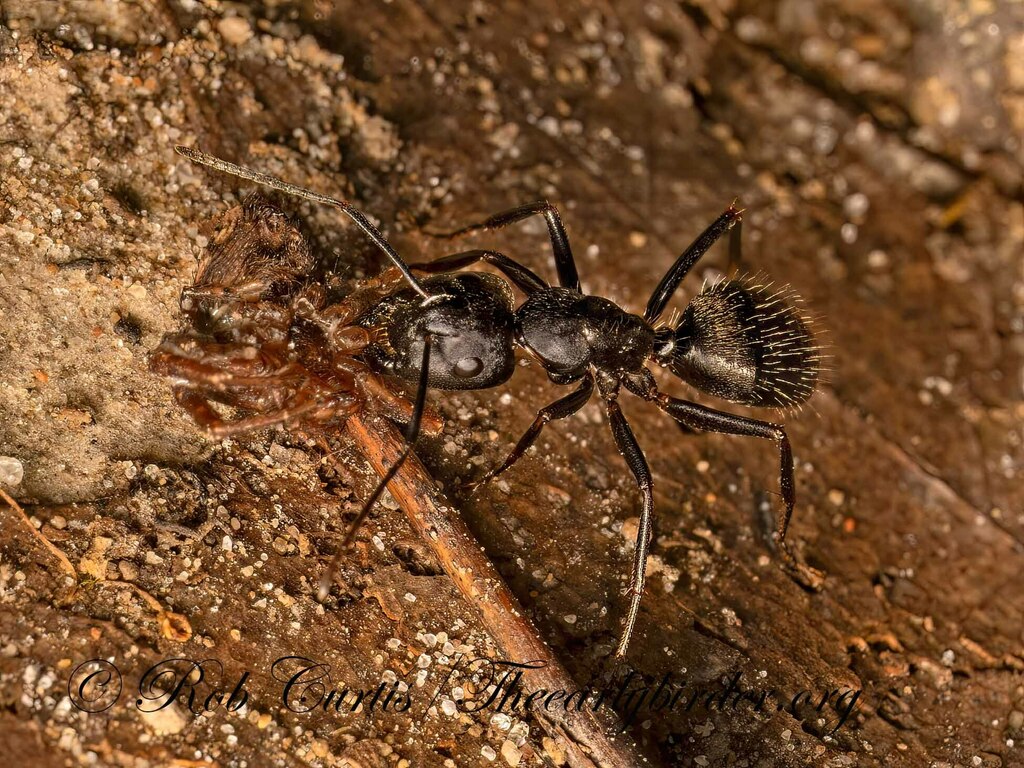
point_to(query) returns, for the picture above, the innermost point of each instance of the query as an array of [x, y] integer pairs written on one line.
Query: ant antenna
[[283, 186]]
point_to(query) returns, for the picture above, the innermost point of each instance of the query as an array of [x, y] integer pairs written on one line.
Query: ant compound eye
[[468, 367]]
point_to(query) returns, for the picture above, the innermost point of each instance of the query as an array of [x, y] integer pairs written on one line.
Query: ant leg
[[397, 407], [700, 417], [412, 433], [568, 277], [525, 279], [670, 282], [560, 409], [630, 450]]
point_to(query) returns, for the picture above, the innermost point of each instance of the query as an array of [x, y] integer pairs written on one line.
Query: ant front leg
[[560, 409], [700, 417], [524, 278], [412, 434], [568, 277], [682, 266]]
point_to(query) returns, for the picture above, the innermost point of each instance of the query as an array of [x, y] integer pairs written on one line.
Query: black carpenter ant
[[456, 330]]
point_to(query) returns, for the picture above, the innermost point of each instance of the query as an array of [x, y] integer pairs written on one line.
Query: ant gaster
[[457, 330]]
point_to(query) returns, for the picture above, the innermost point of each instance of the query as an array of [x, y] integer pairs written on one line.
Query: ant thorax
[[569, 332]]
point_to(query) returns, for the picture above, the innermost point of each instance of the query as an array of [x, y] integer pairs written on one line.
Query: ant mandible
[[456, 330]]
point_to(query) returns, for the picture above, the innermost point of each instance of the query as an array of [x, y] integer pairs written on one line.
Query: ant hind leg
[[696, 416], [630, 450]]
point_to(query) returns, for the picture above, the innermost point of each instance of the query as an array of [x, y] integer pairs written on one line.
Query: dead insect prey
[[266, 338]]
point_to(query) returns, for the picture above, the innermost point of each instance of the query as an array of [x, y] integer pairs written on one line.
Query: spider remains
[[269, 340]]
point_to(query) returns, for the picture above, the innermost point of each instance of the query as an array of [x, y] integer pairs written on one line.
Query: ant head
[[745, 342], [469, 319]]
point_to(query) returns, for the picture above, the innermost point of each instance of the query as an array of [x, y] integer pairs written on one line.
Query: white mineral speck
[[11, 471], [856, 205], [487, 752], [878, 259]]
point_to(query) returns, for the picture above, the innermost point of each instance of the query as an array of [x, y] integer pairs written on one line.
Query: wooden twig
[[65, 564], [588, 739], [173, 626]]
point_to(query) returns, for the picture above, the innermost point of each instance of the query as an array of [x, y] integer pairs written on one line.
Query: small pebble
[[511, 752], [11, 471], [234, 30], [128, 570], [878, 259], [165, 722]]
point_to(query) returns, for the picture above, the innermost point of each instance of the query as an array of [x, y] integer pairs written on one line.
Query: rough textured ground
[[877, 149]]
